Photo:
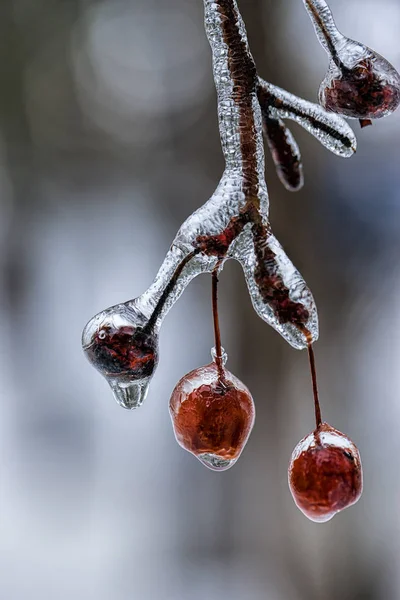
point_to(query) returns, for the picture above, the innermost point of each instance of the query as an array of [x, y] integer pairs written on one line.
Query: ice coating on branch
[[278, 292], [238, 112], [360, 84], [366, 86], [328, 34], [122, 341], [331, 130]]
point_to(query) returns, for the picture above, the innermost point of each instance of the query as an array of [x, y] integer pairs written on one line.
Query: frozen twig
[[122, 341]]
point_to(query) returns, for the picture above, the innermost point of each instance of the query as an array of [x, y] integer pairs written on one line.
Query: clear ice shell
[[330, 129], [283, 268], [228, 108], [368, 87], [215, 462], [182, 263], [109, 342], [130, 395], [224, 355], [213, 218], [324, 436], [328, 34], [212, 418], [360, 84], [327, 436]]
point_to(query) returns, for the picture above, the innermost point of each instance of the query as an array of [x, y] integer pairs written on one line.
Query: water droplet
[[215, 462], [131, 395]]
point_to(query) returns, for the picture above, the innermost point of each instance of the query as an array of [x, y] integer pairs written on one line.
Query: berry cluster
[[211, 410]]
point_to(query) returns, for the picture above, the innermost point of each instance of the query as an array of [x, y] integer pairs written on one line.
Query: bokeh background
[[108, 141]]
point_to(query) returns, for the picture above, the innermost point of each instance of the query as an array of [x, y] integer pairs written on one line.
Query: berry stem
[[217, 331], [318, 418], [365, 123]]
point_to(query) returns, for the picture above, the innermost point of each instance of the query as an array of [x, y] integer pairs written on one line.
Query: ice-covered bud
[[360, 84], [123, 350], [365, 86]]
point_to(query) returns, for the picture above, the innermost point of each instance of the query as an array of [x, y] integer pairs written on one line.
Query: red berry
[[212, 416], [325, 473]]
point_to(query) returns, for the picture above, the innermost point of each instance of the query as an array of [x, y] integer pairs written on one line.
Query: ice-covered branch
[[122, 341]]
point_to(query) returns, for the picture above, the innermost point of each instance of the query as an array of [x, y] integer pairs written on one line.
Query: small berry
[[120, 347], [212, 415], [369, 89], [325, 473], [124, 351]]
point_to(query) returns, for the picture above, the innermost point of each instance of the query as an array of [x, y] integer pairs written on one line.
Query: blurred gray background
[[108, 141]]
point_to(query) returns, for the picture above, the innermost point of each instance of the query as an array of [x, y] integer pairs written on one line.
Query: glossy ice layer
[[325, 474], [278, 292], [331, 130], [118, 345], [122, 341], [212, 415], [360, 84], [370, 89], [328, 34], [224, 356]]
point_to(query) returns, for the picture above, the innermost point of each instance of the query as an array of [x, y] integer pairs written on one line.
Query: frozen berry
[[212, 416], [369, 89], [121, 347], [325, 473]]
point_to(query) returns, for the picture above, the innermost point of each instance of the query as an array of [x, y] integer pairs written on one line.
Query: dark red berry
[[325, 473], [120, 350], [368, 90], [123, 352], [212, 416]]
